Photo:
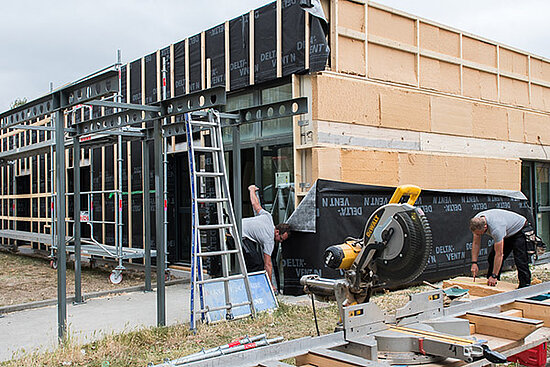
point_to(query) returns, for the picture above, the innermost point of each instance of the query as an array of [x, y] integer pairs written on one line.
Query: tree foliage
[[18, 102]]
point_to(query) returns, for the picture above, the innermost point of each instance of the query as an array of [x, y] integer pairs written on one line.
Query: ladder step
[[203, 123], [217, 253], [226, 307], [209, 174], [206, 149], [215, 280], [214, 226], [211, 200]]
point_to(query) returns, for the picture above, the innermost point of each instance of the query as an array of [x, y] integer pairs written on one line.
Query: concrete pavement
[[36, 329]]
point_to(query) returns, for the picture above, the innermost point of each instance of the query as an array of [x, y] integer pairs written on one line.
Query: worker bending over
[[505, 227], [261, 231]]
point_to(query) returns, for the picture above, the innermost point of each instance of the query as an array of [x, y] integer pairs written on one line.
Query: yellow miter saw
[[394, 251]]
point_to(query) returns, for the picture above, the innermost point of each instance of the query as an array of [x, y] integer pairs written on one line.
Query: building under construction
[[392, 99]]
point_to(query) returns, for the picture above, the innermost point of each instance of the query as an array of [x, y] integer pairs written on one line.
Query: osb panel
[[439, 40], [514, 119], [356, 101], [513, 62], [369, 167], [514, 91], [395, 27], [537, 129], [441, 171], [490, 122], [451, 116], [404, 110], [540, 97], [503, 174], [351, 15], [479, 84], [479, 51], [439, 75], [392, 65], [351, 56], [540, 69], [326, 163]]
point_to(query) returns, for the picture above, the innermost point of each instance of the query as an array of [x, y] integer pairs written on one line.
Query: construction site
[[312, 183]]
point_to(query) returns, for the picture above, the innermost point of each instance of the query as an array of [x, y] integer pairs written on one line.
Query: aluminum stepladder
[[209, 123]]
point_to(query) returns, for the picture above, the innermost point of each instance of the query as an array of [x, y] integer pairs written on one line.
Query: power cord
[[315, 314]]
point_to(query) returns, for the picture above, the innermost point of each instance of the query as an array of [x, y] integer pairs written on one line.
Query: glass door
[[542, 203]]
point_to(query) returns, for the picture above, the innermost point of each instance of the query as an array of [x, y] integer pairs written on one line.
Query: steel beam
[[147, 213], [77, 228], [159, 227], [288, 108], [61, 254], [237, 180]]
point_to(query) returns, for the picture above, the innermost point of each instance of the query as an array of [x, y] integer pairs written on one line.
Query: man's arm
[[268, 266], [476, 244], [254, 199], [499, 254]]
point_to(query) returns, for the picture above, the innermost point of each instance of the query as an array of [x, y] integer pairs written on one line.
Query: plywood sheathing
[[513, 62], [439, 40], [370, 167], [392, 65], [345, 100], [513, 91], [391, 26], [326, 163], [516, 129], [352, 59], [451, 116], [537, 129], [480, 84], [439, 75], [489, 122], [540, 97], [431, 171], [540, 70], [479, 51], [404, 110], [351, 15]]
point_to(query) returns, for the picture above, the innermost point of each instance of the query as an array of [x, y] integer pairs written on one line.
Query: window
[[535, 184]]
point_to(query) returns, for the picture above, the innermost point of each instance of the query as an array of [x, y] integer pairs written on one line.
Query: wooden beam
[[531, 309], [502, 326], [479, 288]]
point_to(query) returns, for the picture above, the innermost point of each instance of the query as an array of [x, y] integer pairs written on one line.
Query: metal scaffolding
[[124, 124]]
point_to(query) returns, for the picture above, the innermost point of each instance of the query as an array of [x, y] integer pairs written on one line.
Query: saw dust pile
[[26, 279]]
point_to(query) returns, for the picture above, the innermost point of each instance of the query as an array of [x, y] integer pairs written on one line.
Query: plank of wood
[[331, 358], [479, 288], [532, 309], [509, 327]]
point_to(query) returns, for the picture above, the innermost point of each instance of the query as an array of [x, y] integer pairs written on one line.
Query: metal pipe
[[118, 242], [77, 229], [159, 175], [147, 213], [165, 163]]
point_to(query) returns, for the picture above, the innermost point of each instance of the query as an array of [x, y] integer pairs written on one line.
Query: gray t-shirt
[[502, 223], [260, 229]]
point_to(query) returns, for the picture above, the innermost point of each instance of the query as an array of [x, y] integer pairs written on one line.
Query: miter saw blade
[[406, 253]]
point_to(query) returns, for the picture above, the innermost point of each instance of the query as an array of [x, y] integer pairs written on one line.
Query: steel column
[[159, 212], [147, 214], [61, 254], [237, 181], [77, 228]]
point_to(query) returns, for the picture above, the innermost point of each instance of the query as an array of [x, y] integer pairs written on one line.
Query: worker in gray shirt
[[505, 227], [261, 230]]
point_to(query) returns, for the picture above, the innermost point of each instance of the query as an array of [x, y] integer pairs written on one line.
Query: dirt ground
[[26, 279]]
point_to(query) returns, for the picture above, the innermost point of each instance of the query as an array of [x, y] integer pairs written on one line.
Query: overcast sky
[[63, 40]]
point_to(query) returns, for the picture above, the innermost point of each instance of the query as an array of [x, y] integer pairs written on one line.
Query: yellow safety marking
[[432, 335]]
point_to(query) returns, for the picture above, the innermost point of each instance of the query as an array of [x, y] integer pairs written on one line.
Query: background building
[[394, 99]]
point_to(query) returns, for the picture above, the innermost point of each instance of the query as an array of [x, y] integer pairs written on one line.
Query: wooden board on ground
[[479, 288]]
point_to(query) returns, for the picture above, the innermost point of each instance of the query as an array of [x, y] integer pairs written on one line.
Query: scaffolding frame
[[124, 124]]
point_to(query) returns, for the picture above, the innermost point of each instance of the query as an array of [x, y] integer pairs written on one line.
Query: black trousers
[[517, 245]]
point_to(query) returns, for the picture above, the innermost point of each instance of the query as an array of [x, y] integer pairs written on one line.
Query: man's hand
[[491, 281], [253, 188], [474, 269]]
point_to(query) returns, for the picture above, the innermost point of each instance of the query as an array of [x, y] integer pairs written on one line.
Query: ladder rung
[[206, 149], [217, 253], [214, 226], [215, 280], [203, 123], [209, 174], [226, 307], [211, 200]]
